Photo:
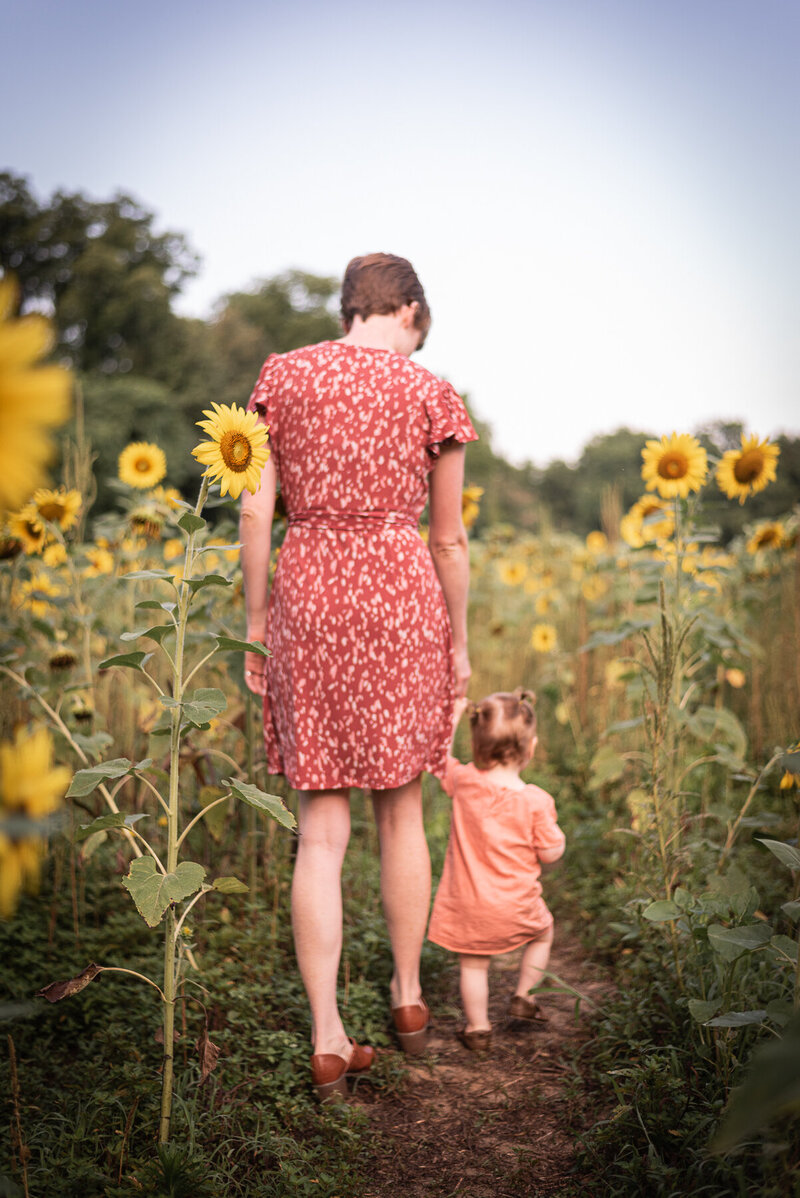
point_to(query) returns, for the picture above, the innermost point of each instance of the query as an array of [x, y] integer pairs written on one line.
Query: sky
[[599, 196]]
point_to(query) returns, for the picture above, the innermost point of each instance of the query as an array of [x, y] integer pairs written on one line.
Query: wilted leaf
[[208, 1054], [153, 891], [730, 943], [58, 990], [230, 886], [216, 818], [272, 804]]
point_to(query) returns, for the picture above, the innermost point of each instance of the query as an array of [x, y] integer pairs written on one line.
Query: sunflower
[[237, 452], [543, 638], [470, 508], [789, 780], [674, 465], [142, 465], [54, 555], [147, 521], [100, 560], [35, 594], [597, 541], [735, 678], [60, 507], [33, 400], [649, 520], [26, 527], [173, 548], [29, 782], [594, 587], [62, 659], [768, 535], [512, 573], [20, 865], [614, 671], [169, 497], [745, 471]]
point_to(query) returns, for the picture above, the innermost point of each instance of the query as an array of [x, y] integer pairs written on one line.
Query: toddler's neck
[[505, 775]]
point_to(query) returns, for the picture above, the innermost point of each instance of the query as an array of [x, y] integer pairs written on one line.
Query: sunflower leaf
[[133, 661], [137, 574], [229, 886], [191, 523], [786, 853], [272, 804], [85, 781], [156, 633], [208, 580], [114, 819], [205, 704], [153, 891], [230, 645]]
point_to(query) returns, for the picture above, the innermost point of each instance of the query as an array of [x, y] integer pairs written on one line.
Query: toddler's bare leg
[[475, 991], [535, 959]]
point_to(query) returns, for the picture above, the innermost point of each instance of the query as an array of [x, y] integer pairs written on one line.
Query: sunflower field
[[156, 1030]]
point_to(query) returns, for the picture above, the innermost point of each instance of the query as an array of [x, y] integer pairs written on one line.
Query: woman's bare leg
[[535, 959], [405, 883], [475, 991], [324, 827]]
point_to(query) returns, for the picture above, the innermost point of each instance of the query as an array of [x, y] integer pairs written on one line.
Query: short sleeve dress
[[489, 899], [360, 681]]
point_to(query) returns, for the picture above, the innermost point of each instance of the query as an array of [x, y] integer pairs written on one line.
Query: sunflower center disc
[[749, 466], [236, 451], [51, 511], [673, 465], [142, 465]]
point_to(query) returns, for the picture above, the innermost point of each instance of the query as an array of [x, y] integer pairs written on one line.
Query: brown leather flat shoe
[[480, 1041], [411, 1024], [329, 1072], [526, 1008]]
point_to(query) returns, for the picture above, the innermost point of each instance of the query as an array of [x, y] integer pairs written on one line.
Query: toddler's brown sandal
[[475, 1041], [411, 1024], [527, 1009], [329, 1072]]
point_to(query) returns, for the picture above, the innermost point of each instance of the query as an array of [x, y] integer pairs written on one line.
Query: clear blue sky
[[600, 196]]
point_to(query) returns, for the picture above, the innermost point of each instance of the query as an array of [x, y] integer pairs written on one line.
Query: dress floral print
[[360, 681]]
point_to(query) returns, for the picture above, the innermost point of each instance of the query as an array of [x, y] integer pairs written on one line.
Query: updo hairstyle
[[503, 726], [379, 284]]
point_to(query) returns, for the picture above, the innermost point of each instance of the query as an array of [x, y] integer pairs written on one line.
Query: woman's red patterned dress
[[360, 681]]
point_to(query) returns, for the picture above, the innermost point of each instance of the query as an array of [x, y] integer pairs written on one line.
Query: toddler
[[489, 900]]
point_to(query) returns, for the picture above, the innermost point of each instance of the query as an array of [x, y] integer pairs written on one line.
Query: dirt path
[[487, 1126]]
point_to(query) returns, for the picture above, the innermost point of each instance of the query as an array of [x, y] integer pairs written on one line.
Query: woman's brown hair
[[503, 726], [379, 284]]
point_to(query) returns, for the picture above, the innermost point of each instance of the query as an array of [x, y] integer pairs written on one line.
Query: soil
[[489, 1125]]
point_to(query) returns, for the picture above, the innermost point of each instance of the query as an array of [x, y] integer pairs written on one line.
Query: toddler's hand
[[460, 706]]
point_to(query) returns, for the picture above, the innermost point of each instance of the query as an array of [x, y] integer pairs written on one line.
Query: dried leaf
[[58, 990], [208, 1053]]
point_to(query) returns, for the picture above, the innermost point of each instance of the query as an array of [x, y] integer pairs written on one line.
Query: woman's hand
[[463, 671], [255, 665]]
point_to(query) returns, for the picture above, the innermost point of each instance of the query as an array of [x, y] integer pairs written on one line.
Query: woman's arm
[[255, 534], [450, 551]]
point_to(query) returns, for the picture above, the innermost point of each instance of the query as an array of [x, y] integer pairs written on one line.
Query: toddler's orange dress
[[490, 898]]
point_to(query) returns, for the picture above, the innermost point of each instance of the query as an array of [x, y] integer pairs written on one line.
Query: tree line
[[110, 281]]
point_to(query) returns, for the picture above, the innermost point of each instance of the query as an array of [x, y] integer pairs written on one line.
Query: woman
[[366, 625]]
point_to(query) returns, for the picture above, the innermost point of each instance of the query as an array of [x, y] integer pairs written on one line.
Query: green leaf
[[191, 523], [205, 704], [157, 633], [730, 943], [790, 762], [786, 853], [153, 891], [606, 766], [272, 804], [785, 946], [792, 909], [154, 605], [613, 636], [93, 745], [719, 726], [215, 819], [115, 819], [737, 1019], [228, 644], [661, 911], [771, 1088], [683, 898], [702, 1011], [85, 781], [132, 661], [229, 886], [137, 574], [208, 580]]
